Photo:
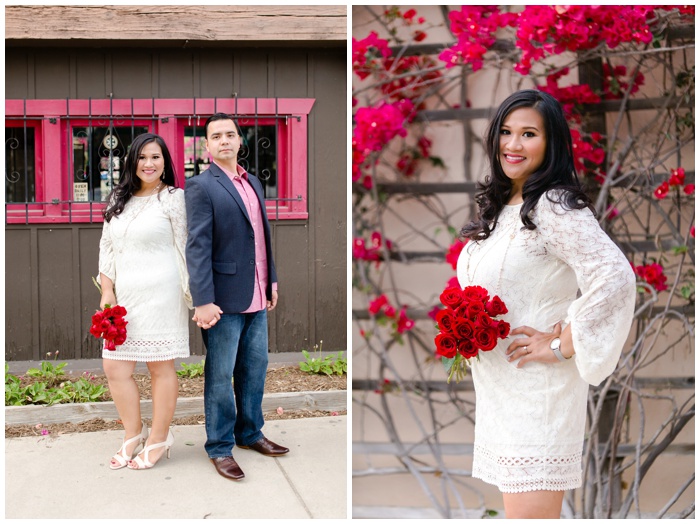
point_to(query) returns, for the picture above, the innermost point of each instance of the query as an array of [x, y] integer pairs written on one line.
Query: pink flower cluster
[[571, 97], [552, 30], [375, 127], [411, 156], [397, 82], [372, 253], [616, 83], [677, 179], [474, 27], [653, 274], [367, 54], [381, 307], [408, 18], [588, 149]]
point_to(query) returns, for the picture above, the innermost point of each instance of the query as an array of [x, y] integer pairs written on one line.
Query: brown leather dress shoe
[[227, 467], [267, 447]]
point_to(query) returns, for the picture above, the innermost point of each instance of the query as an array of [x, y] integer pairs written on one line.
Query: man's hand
[[272, 303], [207, 316]]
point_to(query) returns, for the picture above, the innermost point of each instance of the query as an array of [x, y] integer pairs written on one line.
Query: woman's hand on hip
[[534, 347]]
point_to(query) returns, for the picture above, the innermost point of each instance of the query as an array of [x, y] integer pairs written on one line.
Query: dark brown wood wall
[[49, 295]]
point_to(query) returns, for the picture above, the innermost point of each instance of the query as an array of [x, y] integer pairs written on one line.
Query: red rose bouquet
[[467, 325], [110, 325]]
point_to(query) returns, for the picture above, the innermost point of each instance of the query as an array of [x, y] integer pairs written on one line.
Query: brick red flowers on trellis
[[110, 325]]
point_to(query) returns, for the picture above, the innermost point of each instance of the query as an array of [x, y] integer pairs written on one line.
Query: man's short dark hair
[[219, 116]]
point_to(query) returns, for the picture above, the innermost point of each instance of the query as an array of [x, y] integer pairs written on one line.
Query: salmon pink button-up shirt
[[252, 205]]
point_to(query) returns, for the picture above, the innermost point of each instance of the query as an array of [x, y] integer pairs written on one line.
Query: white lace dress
[[530, 422], [143, 251]]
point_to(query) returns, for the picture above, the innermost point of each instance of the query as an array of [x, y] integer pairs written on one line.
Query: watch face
[[555, 343]]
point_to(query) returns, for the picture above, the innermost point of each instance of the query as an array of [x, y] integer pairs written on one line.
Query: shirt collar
[[242, 173]]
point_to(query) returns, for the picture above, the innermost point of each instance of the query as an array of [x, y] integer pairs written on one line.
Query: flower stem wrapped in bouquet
[[110, 325], [467, 325]]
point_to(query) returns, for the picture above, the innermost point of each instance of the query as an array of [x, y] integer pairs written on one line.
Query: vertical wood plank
[[18, 292]]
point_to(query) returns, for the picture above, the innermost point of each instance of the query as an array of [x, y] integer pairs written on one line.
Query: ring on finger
[[527, 351]]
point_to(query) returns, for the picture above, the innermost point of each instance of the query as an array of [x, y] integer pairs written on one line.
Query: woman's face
[[523, 144], [150, 165]]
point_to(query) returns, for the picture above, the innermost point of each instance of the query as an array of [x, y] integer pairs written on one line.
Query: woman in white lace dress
[[570, 294], [142, 268]]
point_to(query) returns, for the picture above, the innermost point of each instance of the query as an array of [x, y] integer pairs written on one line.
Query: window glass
[[19, 165], [258, 154], [98, 159]]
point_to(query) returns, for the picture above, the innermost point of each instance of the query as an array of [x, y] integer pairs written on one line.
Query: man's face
[[223, 141]]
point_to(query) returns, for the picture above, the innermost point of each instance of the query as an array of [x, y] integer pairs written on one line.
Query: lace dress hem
[[522, 474], [149, 351]]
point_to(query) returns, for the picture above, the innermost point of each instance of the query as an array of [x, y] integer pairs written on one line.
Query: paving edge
[[59, 413]]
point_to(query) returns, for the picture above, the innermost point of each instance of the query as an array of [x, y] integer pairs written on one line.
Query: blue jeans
[[236, 347]]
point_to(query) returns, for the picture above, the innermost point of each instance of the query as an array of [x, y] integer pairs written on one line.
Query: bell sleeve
[[178, 221], [601, 316], [106, 262]]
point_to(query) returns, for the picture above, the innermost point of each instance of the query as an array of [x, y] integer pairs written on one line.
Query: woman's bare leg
[[164, 392], [533, 505], [125, 393]]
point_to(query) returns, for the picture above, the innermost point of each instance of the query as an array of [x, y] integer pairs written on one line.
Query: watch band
[[554, 346]]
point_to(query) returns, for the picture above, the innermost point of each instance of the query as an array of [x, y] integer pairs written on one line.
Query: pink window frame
[[34, 209], [165, 117]]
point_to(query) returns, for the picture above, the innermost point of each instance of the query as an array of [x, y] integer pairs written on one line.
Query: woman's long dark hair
[[556, 172], [129, 182]]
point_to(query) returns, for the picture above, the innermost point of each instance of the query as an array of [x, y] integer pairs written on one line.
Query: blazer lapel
[[225, 181]]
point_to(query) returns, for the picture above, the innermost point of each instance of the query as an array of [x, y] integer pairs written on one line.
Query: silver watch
[[554, 346]]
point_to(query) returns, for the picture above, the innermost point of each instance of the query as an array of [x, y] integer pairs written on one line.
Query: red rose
[[467, 348], [502, 328], [105, 325], [445, 320], [97, 317], [452, 297], [496, 307], [485, 339], [119, 311], [111, 333], [474, 308], [463, 329], [110, 345], [482, 320], [95, 331], [476, 293], [446, 345]]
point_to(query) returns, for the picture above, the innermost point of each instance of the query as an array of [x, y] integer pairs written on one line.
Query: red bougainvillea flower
[[373, 253], [376, 305], [653, 274], [453, 252], [367, 54], [677, 177], [404, 323], [662, 191]]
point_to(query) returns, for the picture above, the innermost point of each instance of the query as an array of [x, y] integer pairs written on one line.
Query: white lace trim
[[521, 474], [150, 350]]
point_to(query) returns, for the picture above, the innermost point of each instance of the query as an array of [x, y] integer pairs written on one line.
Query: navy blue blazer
[[220, 242]]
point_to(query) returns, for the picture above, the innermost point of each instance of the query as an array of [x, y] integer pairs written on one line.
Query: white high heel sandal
[[121, 456], [147, 464]]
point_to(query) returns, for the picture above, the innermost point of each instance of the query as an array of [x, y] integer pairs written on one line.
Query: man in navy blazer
[[233, 284]]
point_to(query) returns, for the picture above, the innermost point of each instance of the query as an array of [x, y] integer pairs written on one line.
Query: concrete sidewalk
[[69, 477]]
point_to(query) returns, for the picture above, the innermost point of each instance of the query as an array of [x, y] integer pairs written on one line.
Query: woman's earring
[[162, 176]]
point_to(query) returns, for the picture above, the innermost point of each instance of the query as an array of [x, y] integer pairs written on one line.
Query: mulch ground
[[279, 380]]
